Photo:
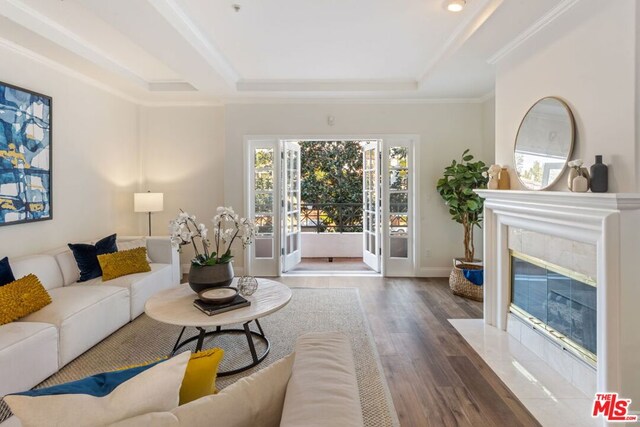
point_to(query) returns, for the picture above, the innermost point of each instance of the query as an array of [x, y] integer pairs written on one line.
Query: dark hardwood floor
[[435, 377]]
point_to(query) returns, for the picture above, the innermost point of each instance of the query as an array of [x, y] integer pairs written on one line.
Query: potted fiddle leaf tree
[[465, 207]]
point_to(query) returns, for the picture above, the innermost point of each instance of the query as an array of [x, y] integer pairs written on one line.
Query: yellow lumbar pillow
[[21, 297], [121, 263], [200, 378]]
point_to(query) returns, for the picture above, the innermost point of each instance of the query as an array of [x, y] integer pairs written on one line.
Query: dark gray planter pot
[[203, 277]]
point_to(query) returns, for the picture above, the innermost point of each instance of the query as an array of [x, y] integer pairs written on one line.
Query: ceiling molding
[[326, 86], [487, 96], [24, 15], [460, 35], [20, 50], [70, 72], [356, 101], [182, 23], [537, 26], [180, 104], [34, 56], [171, 86]]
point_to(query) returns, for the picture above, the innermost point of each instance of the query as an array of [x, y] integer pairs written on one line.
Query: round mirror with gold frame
[[544, 143]]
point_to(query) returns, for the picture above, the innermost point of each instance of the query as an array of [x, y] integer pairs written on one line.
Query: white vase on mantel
[[579, 184], [575, 172]]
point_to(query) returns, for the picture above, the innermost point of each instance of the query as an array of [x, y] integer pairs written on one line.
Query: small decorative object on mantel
[[504, 181], [494, 172], [247, 285], [211, 267], [466, 208], [578, 179], [599, 176]]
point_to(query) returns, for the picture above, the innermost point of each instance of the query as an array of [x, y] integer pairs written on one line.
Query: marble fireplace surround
[[610, 222]]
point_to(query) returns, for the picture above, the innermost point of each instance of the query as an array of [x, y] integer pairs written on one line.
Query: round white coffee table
[[175, 307]]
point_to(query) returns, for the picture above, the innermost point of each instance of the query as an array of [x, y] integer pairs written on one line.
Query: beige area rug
[[310, 310]]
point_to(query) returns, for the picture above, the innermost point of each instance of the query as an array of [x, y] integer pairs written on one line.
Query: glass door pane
[[263, 201], [370, 205], [291, 207]]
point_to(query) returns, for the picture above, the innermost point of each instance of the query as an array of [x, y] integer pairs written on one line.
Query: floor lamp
[[148, 202]]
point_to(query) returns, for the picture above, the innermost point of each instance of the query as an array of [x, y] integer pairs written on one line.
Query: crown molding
[[326, 85], [26, 16], [460, 35], [348, 101], [537, 26], [20, 50], [27, 53], [178, 104], [70, 72], [487, 96], [182, 23]]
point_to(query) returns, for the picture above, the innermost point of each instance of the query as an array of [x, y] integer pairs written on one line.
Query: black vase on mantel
[[599, 176]]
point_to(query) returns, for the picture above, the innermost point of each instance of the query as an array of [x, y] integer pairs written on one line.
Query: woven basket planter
[[460, 285]]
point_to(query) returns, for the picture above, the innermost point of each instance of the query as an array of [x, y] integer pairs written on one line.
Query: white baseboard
[[434, 272]]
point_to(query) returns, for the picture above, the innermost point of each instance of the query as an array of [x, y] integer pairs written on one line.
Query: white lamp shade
[[148, 202]]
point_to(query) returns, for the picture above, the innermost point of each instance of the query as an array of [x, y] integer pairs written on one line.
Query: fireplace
[[595, 234], [558, 302]]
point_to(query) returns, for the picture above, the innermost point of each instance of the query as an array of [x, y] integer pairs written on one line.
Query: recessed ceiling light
[[456, 5]]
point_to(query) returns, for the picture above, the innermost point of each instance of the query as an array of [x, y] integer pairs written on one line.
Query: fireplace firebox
[[558, 302]]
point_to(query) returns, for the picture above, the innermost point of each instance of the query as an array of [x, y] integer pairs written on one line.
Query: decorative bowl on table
[[221, 295]]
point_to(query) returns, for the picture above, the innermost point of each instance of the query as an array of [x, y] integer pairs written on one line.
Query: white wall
[[95, 160], [338, 245], [489, 130], [587, 57], [445, 131], [183, 157]]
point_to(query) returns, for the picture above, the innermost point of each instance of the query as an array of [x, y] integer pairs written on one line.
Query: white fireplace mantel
[[611, 222]]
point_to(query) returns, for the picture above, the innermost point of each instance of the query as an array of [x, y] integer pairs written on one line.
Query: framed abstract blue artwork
[[25, 156]]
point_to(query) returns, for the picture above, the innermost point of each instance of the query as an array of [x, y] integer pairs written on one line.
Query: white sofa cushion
[[155, 419], [254, 401], [141, 286], [28, 355], [153, 390], [43, 266], [84, 315], [68, 266], [322, 390]]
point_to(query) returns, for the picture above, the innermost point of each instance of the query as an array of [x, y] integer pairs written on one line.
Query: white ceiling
[[203, 51]]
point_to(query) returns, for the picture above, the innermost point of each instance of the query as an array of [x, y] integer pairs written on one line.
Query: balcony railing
[[331, 217]]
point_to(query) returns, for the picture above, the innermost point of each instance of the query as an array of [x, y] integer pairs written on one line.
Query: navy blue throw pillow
[[6, 275], [87, 256]]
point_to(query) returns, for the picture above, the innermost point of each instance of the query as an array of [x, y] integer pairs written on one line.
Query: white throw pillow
[[254, 401], [132, 244], [156, 389]]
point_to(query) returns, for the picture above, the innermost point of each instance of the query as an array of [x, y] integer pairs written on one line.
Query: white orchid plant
[[227, 227]]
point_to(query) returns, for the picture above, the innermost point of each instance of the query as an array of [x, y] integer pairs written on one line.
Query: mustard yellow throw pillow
[[122, 263], [200, 378], [21, 297]]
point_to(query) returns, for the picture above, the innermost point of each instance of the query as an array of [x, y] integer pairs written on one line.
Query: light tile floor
[[548, 396]]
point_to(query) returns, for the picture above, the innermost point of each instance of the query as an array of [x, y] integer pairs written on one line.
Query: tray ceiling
[[203, 51]]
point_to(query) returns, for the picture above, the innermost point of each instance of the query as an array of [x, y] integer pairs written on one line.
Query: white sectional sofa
[[316, 386], [80, 314]]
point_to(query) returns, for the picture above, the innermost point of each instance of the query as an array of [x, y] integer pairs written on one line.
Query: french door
[[290, 203], [389, 206], [371, 205], [399, 225]]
